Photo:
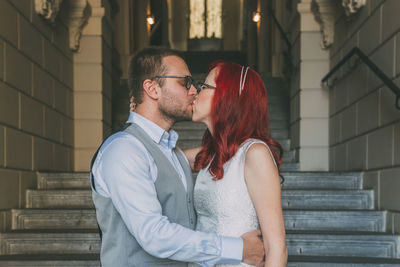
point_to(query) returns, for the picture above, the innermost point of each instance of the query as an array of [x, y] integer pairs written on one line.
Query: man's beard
[[174, 114]]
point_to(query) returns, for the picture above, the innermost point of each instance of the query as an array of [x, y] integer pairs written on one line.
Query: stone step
[[328, 199], [333, 220], [183, 144], [285, 144], [63, 180], [291, 199], [294, 261], [188, 125], [277, 110], [321, 261], [293, 180], [279, 116], [343, 244], [26, 219], [39, 260], [278, 124], [368, 221], [59, 198], [278, 99], [322, 180], [289, 157], [191, 134], [289, 166], [197, 134], [49, 243], [307, 244]]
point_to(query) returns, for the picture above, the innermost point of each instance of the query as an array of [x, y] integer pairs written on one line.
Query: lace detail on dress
[[224, 206]]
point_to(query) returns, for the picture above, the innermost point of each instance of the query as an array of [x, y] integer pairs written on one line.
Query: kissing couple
[[150, 210]]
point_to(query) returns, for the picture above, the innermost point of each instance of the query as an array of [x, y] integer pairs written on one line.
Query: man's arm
[[124, 166]]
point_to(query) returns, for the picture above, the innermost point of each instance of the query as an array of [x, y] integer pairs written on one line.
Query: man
[[142, 185]]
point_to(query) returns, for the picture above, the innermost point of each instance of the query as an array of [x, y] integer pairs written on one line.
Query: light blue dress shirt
[[125, 172]]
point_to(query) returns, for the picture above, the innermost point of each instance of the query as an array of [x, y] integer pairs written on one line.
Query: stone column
[[178, 24], [92, 85], [312, 112], [123, 37], [141, 38], [252, 34], [264, 40], [231, 24]]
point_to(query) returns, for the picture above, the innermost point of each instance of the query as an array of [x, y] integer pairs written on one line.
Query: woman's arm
[[190, 154], [263, 183]]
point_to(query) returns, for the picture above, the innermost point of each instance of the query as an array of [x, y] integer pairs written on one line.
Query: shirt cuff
[[231, 249]]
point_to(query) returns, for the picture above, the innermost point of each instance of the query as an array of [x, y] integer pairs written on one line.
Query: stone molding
[[48, 9], [352, 7], [76, 18], [325, 13]]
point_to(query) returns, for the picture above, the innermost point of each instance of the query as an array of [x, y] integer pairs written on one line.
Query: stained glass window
[[207, 24]]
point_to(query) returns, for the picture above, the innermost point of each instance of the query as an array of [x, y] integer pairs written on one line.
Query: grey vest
[[119, 247]]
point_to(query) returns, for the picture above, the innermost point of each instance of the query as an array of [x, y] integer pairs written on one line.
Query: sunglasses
[[189, 81]]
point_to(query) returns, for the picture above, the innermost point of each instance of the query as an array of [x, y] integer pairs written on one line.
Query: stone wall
[[36, 105], [364, 124]]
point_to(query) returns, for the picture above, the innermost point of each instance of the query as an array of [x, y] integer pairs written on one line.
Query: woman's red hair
[[235, 118]]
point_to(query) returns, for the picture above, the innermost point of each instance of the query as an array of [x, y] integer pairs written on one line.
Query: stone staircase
[[330, 219]]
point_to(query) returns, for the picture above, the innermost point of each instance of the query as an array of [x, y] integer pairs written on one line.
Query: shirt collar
[[156, 133]]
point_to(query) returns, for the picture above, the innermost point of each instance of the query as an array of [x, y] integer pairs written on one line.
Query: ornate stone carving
[[351, 7], [76, 18], [325, 13], [48, 9]]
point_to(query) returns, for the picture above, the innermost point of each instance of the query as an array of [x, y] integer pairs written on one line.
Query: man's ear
[[150, 88]]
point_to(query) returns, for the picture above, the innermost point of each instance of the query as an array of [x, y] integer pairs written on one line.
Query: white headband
[[241, 85]]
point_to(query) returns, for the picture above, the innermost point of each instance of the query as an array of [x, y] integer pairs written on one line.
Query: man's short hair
[[145, 64]]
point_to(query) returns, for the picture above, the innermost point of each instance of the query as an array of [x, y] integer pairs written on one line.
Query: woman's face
[[202, 105]]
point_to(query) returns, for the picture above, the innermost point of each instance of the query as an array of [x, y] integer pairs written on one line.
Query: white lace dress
[[224, 206]]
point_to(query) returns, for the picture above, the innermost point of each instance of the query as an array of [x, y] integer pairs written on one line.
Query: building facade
[[63, 71]]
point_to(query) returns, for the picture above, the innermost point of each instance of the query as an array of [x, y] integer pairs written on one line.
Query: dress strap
[[250, 142]]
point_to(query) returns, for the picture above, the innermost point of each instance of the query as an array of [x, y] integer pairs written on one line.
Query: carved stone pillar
[[310, 102], [76, 17], [141, 38], [92, 85], [352, 7], [178, 24], [48, 9], [325, 13]]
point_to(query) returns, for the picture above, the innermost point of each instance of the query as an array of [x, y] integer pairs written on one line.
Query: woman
[[238, 185]]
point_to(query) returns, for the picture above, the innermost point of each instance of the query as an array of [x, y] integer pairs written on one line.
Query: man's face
[[176, 101]]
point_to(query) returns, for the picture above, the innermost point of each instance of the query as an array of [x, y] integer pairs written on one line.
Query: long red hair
[[235, 118]]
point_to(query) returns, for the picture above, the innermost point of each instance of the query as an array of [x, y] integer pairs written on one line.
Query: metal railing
[[372, 66], [288, 53]]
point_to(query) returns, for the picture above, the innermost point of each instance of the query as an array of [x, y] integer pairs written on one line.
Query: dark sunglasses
[[201, 86], [189, 81]]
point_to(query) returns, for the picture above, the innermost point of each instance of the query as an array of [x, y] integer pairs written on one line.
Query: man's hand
[[253, 248]]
